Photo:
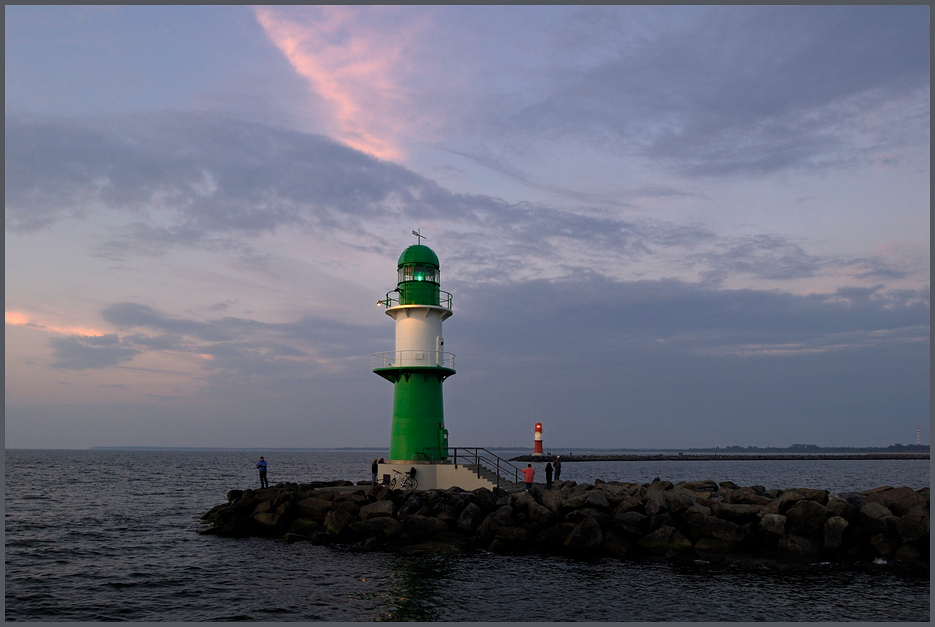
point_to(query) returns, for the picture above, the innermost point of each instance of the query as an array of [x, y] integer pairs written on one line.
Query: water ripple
[[78, 549]]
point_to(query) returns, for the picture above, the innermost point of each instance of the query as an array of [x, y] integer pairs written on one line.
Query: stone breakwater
[[717, 522]]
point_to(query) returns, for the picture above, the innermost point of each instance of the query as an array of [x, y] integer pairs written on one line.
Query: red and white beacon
[[537, 446]]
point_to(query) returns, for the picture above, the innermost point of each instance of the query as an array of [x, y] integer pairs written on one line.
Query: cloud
[[287, 351], [191, 180], [195, 181], [752, 90], [354, 63], [82, 352], [609, 316]]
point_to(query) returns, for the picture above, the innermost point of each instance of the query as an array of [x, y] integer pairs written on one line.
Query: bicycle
[[404, 480]]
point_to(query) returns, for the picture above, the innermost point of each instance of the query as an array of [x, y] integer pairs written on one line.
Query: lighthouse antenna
[[419, 235]]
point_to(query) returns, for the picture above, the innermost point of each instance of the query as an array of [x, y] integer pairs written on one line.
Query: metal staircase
[[486, 465]]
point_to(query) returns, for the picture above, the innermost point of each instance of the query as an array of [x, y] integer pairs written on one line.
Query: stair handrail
[[500, 466]]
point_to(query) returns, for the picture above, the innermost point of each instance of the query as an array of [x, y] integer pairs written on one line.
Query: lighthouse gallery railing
[[393, 359], [480, 458], [444, 299]]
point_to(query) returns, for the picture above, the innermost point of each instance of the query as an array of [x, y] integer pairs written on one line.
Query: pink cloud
[[357, 65], [18, 318]]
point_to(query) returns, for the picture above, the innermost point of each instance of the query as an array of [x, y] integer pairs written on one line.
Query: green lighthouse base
[[418, 432]]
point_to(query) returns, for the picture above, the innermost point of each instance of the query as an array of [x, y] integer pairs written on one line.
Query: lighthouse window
[[418, 273]]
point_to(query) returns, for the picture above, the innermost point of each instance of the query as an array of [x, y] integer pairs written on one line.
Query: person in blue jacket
[[262, 466]]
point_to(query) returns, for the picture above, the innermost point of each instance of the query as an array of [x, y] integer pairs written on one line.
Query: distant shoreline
[[722, 457]]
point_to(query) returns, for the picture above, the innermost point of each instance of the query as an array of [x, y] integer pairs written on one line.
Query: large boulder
[[833, 531], [615, 545], [268, 521], [553, 500], [555, 535], [511, 535], [721, 529], [585, 536], [705, 485], [591, 498], [655, 503], [811, 494], [379, 493], [885, 544], [626, 504], [314, 507], [346, 505], [413, 503], [500, 517], [714, 549], [910, 555], [336, 523], [470, 518], [914, 524], [485, 499], [748, 496], [631, 524], [665, 519], [786, 500], [696, 517], [304, 527], [667, 541], [796, 548], [772, 526], [739, 513], [841, 506], [679, 499], [807, 517], [578, 515], [457, 499], [382, 526], [245, 504], [521, 500], [423, 527], [898, 500], [539, 515], [877, 518], [377, 509]]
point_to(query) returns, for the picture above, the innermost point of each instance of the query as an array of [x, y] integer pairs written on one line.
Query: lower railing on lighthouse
[[397, 359], [487, 465]]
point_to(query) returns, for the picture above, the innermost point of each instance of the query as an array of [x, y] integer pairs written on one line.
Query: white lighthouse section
[[419, 339]]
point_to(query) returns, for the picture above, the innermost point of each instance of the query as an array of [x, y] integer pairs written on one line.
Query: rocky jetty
[[717, 522]]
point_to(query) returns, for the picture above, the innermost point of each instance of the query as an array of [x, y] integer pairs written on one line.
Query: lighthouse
[[537, 440], [419, 365]]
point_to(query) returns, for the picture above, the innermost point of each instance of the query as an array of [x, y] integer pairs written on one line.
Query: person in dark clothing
[[261, 465], [373, 471], [548, 476], [558, 468]]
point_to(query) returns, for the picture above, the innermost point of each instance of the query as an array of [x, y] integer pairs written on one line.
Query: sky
[[662, 227]]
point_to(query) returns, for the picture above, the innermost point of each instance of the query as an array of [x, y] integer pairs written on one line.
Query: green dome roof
[[418, 253]]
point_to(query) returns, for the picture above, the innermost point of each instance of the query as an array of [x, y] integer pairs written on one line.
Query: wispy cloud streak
[[354, 64]]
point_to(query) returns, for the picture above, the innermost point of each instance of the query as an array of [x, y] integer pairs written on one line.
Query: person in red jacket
[[529, 473]]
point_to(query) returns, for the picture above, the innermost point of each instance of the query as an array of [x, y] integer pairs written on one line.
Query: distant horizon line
[[731, 448]]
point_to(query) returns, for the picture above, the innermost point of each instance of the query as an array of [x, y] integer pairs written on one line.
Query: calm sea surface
[[111, 535]]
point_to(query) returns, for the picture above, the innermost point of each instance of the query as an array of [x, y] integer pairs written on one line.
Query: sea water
[[112, 535]]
